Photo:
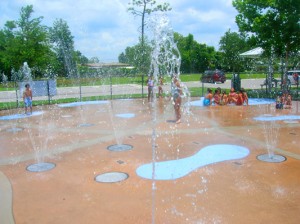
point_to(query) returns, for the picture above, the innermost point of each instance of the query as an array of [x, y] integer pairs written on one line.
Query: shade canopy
[[254, 53]]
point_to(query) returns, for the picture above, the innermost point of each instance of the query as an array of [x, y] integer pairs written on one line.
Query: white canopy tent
[[254, 53]]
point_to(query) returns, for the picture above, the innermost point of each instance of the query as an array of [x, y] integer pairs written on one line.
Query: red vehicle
[[213, 76]]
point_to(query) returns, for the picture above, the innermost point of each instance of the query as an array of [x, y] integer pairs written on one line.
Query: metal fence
[[79, 89]]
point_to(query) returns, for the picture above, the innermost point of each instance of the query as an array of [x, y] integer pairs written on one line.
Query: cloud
[[104, 28]]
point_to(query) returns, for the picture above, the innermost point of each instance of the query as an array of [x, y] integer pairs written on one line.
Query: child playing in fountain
[[176, 94], [288, 101], [232, 97], [150, 84], [239, 98], [208, 98], [160, 89], [245, 96], [224, 98], [279, 102], [27, 97], [217, 96]]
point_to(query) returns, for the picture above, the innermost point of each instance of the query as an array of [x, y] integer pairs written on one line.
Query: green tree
[[7, 49], [132, 55], [25, 40], [231, 45], [63, 45], [94, 60], [142, 8], [80, 58], [274, 23], [195, 57], [146, 7]]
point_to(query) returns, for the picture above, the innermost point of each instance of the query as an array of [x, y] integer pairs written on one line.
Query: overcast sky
[[104, 28]]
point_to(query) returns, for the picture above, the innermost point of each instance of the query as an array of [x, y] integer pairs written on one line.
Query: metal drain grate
[[119, 147], [111, 177], [271, 158], [40, 167]]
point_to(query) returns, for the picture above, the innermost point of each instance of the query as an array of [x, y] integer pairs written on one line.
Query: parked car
[[293, 76], [213, 76]]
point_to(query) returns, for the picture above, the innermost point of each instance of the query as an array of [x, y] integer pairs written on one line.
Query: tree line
[[49, 51], [273, 25]]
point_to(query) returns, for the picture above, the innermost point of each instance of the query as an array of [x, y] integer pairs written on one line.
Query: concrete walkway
[[106, 90]]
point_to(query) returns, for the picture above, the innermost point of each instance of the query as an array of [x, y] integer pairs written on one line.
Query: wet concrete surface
[[242, 190]]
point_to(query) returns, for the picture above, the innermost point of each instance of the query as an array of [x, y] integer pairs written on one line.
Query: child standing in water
[[27, 97], [150, 83], [176, 94], [208, 98], [160, 89]]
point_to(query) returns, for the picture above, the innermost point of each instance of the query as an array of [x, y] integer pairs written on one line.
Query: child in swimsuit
[[27, 97], [232, 96], [239, 99], [208, 98], [160, 89], [245, 96], [176, 94], [288, 102], [150, 83], [224, 98]]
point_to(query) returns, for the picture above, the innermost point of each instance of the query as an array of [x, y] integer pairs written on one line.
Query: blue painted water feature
[[20, 116], [251, 101], [277, 118], [76, 104], [126, 115], [174, 169]]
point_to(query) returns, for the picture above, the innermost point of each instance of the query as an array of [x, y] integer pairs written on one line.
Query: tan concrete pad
[[238, 191]]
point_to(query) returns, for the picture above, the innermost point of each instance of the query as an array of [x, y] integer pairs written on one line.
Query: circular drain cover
[[111, 177], [14, 130], [271, 158], [40, 167], [119, 147], [85, 125]]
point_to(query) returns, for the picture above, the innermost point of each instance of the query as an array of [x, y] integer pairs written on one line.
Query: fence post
[[142, 85], [16, 88], [48, 90], [80, 99], [111, 91]]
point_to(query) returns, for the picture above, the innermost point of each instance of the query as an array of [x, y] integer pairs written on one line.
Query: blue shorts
[[206, 102], [28, 102]]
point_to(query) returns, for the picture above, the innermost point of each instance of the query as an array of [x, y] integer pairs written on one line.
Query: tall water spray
[[165, 61], [26, 72]]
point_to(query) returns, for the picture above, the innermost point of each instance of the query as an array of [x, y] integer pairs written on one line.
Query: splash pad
[[184, 188]]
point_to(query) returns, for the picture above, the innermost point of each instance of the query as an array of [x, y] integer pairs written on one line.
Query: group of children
[[222, 98], [284, 101]]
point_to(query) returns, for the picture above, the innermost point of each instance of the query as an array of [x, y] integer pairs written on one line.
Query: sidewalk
[[86, 91]]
